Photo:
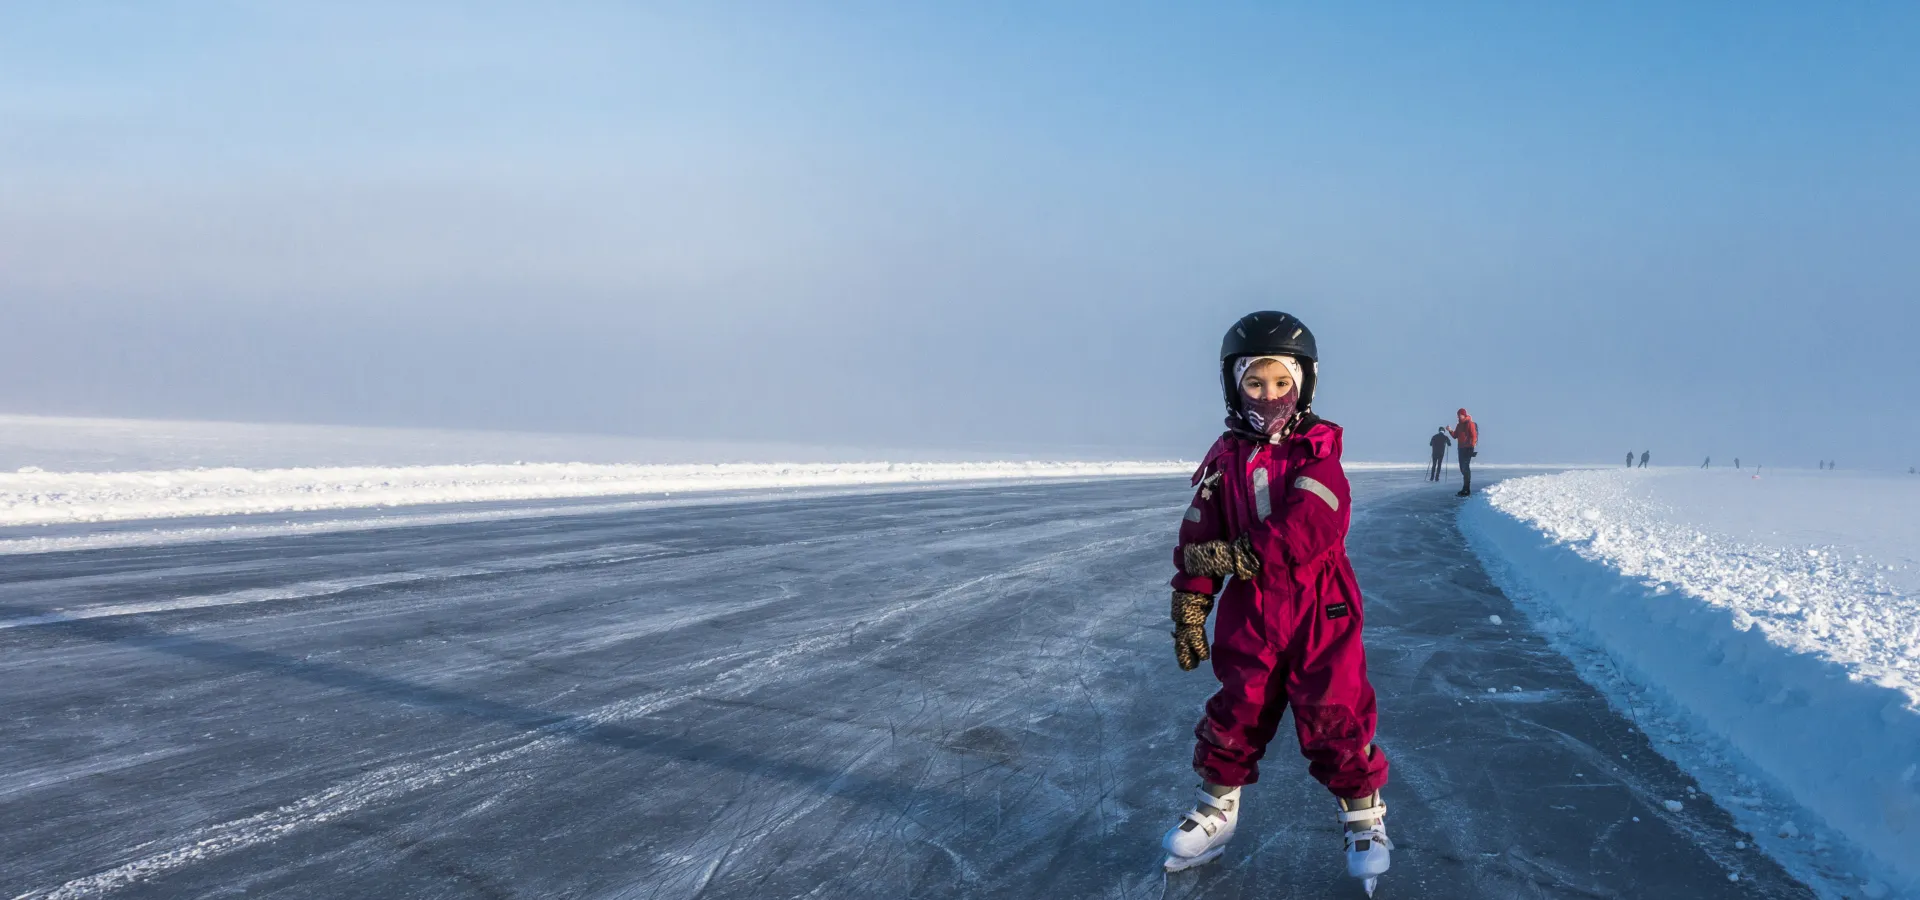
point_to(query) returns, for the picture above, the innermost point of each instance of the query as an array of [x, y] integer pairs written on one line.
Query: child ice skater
[[1269, 517]]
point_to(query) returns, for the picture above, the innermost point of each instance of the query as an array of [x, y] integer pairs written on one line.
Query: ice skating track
[[954, 693]]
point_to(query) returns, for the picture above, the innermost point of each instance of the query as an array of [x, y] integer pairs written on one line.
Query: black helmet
[[1269, 334]]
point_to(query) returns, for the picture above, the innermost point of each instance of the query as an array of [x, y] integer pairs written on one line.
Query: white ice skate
[[1203, 832], [1367, 845]]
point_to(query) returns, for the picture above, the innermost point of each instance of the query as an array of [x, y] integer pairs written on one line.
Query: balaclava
[[1269, 417]]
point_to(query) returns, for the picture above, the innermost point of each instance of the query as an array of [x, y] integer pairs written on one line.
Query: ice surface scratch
[[308, 590]]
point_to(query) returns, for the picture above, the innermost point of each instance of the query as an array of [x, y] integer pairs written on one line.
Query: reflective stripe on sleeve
[[1318, 490]]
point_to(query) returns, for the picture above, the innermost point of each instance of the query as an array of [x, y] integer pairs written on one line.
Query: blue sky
[[1019, 226]]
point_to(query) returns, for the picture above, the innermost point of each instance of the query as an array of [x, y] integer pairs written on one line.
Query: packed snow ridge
[[1776, 616], [32, 497], [1808, 589]]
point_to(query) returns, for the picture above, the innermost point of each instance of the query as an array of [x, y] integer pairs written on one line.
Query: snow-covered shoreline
[[38, 498], [57, 471], [1767, 631], [70, 444], [75, 470]]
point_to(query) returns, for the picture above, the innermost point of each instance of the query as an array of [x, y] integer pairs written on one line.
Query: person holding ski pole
[[1439, 443], [1269, 518], [1467, 435]]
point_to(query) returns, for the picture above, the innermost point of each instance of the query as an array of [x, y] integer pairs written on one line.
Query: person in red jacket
[[1467, 435], [1269, 518]]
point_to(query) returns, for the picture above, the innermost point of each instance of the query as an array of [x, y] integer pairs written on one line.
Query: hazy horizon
[[106, 443], [1002, 226]]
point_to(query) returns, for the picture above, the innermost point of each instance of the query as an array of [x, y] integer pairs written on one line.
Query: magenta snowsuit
[[1293, 634]]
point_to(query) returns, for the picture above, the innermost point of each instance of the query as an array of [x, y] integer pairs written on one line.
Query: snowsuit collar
[[1318, 436]]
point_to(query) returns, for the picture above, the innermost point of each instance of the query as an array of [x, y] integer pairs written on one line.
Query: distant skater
[[1440, 443], [1644, 456], [1629, 459], [1736, 462], [1708, 464], [1467, 435]]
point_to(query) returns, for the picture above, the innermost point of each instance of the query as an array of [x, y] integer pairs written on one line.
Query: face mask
[[1269, 416]]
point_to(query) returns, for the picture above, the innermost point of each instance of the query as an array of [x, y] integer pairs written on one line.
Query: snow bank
[[1779, 616], [32, 497]]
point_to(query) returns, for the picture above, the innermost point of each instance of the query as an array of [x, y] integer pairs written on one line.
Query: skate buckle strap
[[1377, 811], [1224, 804], [1364, 839], [1207, 823]]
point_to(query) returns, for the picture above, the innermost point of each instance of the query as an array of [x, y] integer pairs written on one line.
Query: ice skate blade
[[1370, 884], [1182, 863]]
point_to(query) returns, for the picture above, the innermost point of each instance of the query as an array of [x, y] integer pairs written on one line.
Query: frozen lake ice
[[938, 693]]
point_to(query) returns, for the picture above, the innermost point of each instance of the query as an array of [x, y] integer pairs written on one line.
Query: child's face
[[1266, 380]]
